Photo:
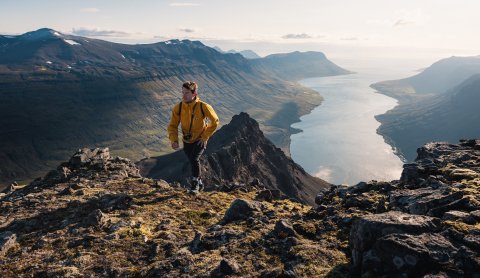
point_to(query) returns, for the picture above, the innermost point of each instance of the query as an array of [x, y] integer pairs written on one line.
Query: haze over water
[[339, 142]]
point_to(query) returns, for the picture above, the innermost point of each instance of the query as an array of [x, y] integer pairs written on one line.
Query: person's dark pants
[[194, 151]]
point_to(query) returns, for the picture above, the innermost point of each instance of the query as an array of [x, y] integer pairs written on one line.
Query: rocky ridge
[[96, 216], [239, 153], [424, 224]]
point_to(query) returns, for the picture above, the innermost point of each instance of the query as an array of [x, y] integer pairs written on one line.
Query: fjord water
[[338, 142]]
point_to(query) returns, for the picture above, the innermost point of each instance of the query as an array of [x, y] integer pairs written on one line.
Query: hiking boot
[[195, 188]]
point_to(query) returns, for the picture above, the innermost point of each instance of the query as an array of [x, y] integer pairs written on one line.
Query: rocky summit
[[237, 154], [95, 216]]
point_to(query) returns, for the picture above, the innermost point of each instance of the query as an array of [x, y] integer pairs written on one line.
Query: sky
[[350, 31]]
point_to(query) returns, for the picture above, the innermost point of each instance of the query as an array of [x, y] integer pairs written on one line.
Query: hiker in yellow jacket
[[198, 122]]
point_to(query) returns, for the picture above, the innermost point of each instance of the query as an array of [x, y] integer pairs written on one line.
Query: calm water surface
[[339, 142]]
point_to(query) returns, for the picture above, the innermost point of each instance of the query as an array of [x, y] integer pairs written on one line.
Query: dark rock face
[[369, 229], [410, 254], [239, 152], [430, 225]]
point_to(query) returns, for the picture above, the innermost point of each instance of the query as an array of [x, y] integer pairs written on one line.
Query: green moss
[[199, 217]]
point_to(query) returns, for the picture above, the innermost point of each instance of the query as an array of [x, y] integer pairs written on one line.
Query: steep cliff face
[[240, 153], [96, 216]]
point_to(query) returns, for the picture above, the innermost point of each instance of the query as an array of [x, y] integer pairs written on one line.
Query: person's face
[[187, 94]]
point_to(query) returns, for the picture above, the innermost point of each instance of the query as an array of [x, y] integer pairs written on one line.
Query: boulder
[[409, 255], [366, 230], [97, 218], [424, 200], [283, 228], [225, 268], [241, 209], [269, 195]]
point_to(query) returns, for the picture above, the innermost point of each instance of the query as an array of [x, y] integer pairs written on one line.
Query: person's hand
[[175, 145], [203, 143]]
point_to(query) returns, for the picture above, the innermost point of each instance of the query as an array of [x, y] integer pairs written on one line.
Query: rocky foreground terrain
[[96, 216]]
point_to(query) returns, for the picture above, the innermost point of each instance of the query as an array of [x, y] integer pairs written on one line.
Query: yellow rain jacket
[[201, 127]]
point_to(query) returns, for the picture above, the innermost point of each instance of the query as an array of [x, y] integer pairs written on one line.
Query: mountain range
[[60, 92], [437, 79], [439, 104]]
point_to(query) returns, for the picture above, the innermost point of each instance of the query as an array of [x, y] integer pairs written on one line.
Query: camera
[[187, 137]]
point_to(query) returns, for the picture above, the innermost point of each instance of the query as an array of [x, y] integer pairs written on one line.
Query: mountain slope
[[436, 79], [438, 104], [449, 117], [59, 92], [299, 65], [248, 54], [240, 153]]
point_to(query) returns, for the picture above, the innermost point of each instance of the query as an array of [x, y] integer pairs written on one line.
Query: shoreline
[[388, 140]]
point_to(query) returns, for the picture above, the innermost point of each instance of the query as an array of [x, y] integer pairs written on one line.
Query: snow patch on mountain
[[72, 42]]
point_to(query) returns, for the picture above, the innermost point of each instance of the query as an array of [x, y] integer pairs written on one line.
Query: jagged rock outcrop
[[240, 153], [423, 224]]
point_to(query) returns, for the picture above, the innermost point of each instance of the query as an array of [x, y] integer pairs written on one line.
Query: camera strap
[[191, 120]]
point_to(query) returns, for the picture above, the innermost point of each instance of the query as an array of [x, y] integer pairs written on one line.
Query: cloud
[[297, 36], [94, 32], [410, 18], [402, 18], [162, 37], [403, 22], [90, 10], [187, 30], [349, 39], [184, 4]]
